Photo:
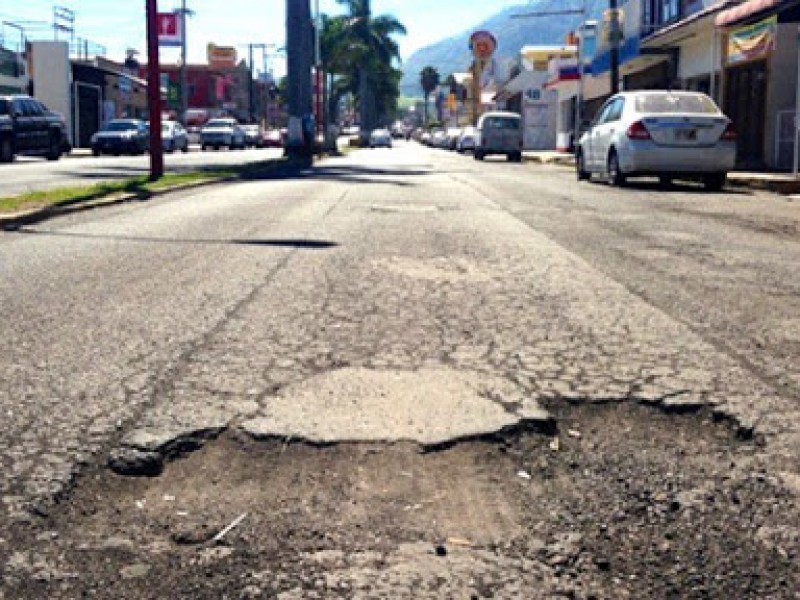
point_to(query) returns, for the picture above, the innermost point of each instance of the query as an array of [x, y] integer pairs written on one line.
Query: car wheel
[[615, 175], [479, 155], [185, 148], [54, 148], [204, 147], [714, 182], [6, 150], [95, 152], [169, 148], [580, 168], [665, 181]]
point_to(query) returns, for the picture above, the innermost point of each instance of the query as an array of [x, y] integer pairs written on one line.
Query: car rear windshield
[[4, 107], [675, 103], [502, 123], [121, 126]]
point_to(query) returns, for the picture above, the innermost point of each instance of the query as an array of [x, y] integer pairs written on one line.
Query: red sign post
[[154, 92]]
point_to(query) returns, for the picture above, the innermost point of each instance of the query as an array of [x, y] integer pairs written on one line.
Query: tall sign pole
[[614, 34], [184, 86], [154, 92]]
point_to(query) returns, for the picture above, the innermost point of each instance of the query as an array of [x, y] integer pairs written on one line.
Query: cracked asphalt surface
[[415, 375]]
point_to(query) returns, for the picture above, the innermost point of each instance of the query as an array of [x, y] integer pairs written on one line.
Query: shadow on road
[[298, 243]]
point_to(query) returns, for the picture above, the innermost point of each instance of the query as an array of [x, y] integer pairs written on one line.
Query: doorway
[[745, 104]]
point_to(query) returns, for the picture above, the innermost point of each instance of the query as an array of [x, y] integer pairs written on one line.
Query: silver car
[[223, 132], [380, 137], [669, 134]]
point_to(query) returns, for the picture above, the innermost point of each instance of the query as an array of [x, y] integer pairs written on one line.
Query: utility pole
[[250, 83], [183, 84], [614, 35], [299, 50], [154, 92]]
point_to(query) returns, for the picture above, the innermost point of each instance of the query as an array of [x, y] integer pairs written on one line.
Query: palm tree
[[428, 79], [371, 51]]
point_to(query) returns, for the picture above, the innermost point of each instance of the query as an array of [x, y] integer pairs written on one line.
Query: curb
[[13, 221]]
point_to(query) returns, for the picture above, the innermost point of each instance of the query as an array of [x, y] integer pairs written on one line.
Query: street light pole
[[154, 92], [184, 87]]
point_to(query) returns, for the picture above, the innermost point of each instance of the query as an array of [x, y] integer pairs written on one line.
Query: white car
[[380, 137], [466, 141], [218, 133], [669, 134], [174, 137]]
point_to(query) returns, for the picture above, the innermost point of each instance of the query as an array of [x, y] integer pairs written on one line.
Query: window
[[670, 10], [675, 103], [615, 110], [5, 108]]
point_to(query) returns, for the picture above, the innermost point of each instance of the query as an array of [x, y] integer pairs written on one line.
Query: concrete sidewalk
[[780, 183]]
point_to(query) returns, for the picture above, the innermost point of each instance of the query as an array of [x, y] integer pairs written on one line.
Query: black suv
[[28, 127]]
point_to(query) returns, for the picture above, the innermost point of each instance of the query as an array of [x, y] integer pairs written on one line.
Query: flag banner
[[753, 41]]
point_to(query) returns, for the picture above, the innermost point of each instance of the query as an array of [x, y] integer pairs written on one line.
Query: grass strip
[[139, 187]]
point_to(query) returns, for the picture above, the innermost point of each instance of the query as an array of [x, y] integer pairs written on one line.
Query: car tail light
[[637, 131], [729, 135]]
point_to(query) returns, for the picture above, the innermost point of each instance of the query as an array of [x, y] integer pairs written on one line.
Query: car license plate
[[686, 135]]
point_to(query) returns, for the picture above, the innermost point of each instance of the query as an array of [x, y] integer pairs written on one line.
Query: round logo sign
[[483, 44]]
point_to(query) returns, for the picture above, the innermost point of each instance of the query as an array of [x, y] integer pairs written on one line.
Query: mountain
[[452, 55]]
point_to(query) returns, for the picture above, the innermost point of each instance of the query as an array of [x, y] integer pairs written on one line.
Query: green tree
[[428, 79], [360, 49]]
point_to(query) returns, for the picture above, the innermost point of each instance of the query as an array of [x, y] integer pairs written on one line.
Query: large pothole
[[630, 503]]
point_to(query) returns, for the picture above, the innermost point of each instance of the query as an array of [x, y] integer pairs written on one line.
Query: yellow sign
[[221, 57], [451, 101]]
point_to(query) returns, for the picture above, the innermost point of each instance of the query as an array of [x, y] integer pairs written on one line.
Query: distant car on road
[[28, 127], [466, 141], [662, 133], [174, 137], [253, 136], [121, 136], [218, 133], [380, 138], [499, 132], [272, 138]]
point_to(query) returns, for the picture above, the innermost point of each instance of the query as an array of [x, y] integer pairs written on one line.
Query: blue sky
[[119, 24]]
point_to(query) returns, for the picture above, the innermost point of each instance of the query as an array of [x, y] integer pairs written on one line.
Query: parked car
[[28, 127], [218, 133], [121, 136], [253, 137], [499, 132], [438, 138], [174, 137], [453, 133], [466, 141], [380, 137], [669, 134], [272, 138]]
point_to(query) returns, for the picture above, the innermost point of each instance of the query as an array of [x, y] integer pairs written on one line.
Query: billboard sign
[[170, 32], [221, 57]]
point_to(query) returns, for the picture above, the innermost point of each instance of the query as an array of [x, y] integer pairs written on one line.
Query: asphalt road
[[404, 373], [29, 173]]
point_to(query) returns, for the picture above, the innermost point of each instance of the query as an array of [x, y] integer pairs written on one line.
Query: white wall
[[51, 75], [698, 54]]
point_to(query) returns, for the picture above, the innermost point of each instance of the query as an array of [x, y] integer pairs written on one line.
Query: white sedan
[[669, 134], [380, 137]]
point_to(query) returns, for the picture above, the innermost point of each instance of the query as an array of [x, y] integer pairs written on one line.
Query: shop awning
[[750, 8]]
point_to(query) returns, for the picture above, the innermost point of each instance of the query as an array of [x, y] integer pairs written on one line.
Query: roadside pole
[[154, 92], [614, 35], [796, 120], [184, 86], [299, 55]]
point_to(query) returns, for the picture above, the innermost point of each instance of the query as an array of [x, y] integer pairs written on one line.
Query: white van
[[499, 132]]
